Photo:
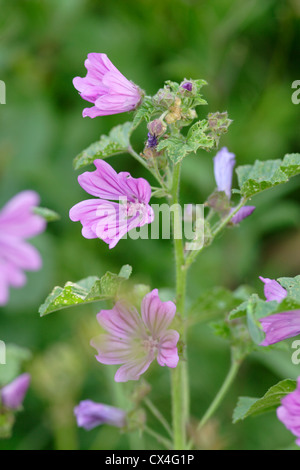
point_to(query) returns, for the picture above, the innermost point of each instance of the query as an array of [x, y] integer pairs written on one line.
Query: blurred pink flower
[[106, 88], [18, 222], [289, 412], [13, 394], [224, 162], [136, 341], [273, 290], [109, 220], [280, 326], [90, 414]]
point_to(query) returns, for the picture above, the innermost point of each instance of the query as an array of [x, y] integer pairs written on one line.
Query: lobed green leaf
[[247, 406], [116, 142], [90, 289], [266, 174]]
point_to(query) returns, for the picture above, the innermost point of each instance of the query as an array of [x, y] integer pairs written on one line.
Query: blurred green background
[[248, 51]]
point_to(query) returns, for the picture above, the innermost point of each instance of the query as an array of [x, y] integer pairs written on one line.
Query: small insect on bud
[[177, 102], [152, 140]]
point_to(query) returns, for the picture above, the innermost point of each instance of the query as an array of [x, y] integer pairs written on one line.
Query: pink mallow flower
[[109, 220], [134, 340], [106, 88], [289, 412], [13, 394], [18, 222], [282, 325], [224, 162], [273, 290], [90, 414]]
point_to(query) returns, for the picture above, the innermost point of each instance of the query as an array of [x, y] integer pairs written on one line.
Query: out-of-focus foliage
[[247, 51]]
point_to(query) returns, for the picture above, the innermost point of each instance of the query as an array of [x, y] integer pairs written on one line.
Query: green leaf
[[116, 142], [262, 308], [292, 285], [254, 327], [144, 112], [178, 147], [197, 136], [47, 214], [91, 289], [266, 174], [15, 356], [258, 307], [125, 271], [270, 401]]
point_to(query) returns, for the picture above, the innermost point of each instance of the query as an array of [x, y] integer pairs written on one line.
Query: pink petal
[[167, 352], [103, 182], [133, 370], [121, 321], [157, 315], [95, 112], [115, 104], [280, 326], [273, 290], [112, 349], [13, 394], [92, 213], [99, 64], [14, 275], [242, 214], [19, 253], [224, 162], [4, 287], [118, 84], [90, 414], [17, 218]]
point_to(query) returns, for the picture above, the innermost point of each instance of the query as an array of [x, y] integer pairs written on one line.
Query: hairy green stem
[[158, 415], [179, 376], [153, 171], [162, 440], [235, 364]]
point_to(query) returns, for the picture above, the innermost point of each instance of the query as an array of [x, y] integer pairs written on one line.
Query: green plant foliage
[[115, 143], [15, 357], [266, 174], [48, 214], [91, 289], [270, 401]]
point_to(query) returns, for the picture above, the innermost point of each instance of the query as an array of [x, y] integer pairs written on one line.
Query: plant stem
[[153, 171], [158, 415], [162, 440], [179, 376], [235, 364], [120, 399]]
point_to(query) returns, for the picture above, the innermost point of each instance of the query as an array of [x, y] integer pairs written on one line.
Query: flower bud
[[157, 127], [90, 414], [164, 97], [171, 118], [187, 85], [13, 394]]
